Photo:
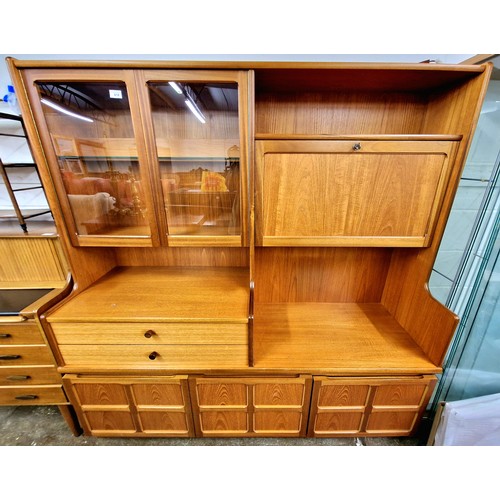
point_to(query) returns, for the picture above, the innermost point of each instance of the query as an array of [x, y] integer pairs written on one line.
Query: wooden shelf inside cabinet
[[165, 294], [357, 137], [343, 338]]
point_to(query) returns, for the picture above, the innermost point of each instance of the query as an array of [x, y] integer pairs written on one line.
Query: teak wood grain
[[407, 295], [32, 263], [250, 407], [150, 333], [141, 407], [320, 274], [324, 279], [335, 113], [154, 358], [364, 406], [342, 338], [183, 256], [25, 332], [138, 294], [382, 194]]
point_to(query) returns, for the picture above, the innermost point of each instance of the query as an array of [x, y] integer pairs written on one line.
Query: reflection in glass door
[[196, 125], [90, 126]]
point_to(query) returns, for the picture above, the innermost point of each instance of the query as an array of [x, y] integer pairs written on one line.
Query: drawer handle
[[149, 334], [356, 147], [153, 355], [9, 357], [5, 335], [27, 397], [18, 377]]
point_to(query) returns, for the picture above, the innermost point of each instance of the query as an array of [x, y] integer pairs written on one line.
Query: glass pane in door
[[91, 129], [197, 138]]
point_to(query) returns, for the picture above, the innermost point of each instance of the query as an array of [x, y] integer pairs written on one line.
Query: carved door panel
[[251, 407], [363, 407], [112, 406]]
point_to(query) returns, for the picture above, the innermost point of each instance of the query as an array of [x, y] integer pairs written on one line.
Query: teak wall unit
[[250, 242]]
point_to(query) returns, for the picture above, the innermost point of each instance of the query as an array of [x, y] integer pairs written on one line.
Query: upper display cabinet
[[146, 158], [198, 129]]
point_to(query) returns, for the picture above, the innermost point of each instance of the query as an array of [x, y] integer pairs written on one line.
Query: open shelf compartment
[[343, 338]]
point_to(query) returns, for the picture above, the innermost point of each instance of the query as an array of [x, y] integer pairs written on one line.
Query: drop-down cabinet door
[[350, 192]]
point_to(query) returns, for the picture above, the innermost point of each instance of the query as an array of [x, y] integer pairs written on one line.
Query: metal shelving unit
[[21, 215]]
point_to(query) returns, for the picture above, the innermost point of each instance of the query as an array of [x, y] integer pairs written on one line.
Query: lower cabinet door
[[391, 406], [137, 406], [251, 407]]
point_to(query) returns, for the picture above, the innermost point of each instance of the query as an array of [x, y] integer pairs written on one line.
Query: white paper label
[[115, 94]]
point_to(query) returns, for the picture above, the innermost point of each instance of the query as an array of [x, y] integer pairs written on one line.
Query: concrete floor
[[44, 426]]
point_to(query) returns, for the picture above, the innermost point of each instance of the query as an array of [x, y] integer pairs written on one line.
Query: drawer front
[[25, 355], [33, 395], [368, 407], [26, 332], [29, 375], [148, 357], [150, 333]]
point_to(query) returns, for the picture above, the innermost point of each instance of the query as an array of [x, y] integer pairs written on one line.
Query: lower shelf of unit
[[343, 338]]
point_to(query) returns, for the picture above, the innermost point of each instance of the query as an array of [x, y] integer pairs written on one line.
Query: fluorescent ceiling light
[[196, 112], [175, 87], [55, 106]]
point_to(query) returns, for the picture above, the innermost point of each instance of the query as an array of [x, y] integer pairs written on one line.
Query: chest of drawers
[[28, 373]]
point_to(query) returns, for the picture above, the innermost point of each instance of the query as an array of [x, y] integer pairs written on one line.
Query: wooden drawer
[[148, 357], [389, 406], [150, 333], [25, 355], [33, 395], [29, 375], [26, 332]]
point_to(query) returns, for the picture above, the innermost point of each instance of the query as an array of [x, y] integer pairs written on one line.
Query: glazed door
[[198, 120], [90, 126]]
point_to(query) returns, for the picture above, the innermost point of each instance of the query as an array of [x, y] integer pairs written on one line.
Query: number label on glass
[[115, 94]]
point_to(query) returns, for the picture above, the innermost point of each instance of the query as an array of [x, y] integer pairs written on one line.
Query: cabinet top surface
[[136, 294], [288, 76], [22, 63]]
